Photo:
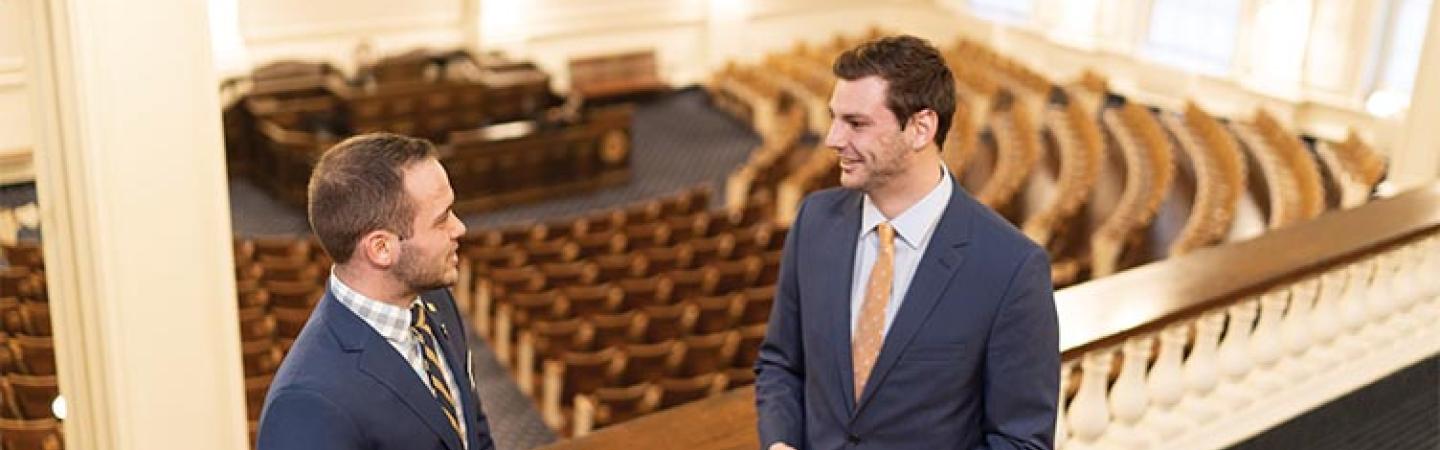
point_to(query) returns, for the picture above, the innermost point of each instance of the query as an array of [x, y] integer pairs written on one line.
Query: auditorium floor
[[677, 141], [1401, 411]]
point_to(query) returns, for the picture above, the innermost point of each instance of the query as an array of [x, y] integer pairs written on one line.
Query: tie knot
[[417, 314], [887, 233]]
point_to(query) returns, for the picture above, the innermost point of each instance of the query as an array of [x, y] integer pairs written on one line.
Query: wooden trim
[[1108, 310], [723, 422]]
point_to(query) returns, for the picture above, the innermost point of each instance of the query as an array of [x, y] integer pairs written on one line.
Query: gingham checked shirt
[[393, 323]]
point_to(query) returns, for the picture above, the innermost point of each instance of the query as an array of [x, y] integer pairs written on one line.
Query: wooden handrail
[[1106, 311], [723, 422], [1145, 299]]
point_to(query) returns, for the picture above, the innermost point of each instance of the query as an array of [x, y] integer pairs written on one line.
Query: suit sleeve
[[1022, 368], [297, 419], [780, 366]]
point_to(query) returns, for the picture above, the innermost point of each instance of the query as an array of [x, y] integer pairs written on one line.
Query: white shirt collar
[[915, 223]]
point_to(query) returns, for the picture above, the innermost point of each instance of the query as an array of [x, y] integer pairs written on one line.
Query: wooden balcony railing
[[1203, 350]]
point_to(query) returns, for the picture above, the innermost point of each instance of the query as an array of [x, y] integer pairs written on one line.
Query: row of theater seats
[[27, 353], [278, 281], [1079, 169], [668, 293]]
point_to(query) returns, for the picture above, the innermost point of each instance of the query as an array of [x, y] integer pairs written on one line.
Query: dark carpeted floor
[[1400, 412]]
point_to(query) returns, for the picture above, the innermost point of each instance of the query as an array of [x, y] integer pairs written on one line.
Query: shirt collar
[[912, 225], [390, 321]]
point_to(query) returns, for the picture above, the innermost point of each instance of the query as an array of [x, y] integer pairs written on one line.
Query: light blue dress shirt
[[913, 229]]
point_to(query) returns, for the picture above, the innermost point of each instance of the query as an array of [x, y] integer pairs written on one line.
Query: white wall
[[332, 29], [16, 137]]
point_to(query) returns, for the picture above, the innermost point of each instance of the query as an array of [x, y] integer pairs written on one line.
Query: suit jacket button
[[854, 439]]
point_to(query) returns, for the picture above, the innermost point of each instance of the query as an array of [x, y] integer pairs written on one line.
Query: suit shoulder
[[992, 230], [311, 362], [830, 200]]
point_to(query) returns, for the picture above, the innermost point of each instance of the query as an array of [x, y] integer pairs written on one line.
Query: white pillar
[[1416, 157], [132, 188]]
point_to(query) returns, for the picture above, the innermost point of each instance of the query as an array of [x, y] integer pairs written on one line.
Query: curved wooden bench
[[1019, 143], [1220, 178], [1082, 152], [1149, 170]]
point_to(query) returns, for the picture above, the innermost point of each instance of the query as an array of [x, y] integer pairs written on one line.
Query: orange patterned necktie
[[869, 331]]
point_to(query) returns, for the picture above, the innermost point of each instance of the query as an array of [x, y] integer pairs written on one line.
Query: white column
[[136, 220], [1415, 160]]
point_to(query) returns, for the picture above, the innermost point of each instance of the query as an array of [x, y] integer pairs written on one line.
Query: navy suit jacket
[[343, 386], [971, 360]]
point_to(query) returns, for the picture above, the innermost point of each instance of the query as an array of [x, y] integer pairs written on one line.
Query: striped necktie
[[420, 327]]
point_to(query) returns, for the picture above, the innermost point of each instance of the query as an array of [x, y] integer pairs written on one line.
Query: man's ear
[[923, 125], [380, 248]]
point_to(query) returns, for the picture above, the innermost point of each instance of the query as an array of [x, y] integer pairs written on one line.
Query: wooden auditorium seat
[[38, 434], [619, 329], [1149, 170], [665, 322], [611, 405], [678, 391], [576, 373], [36, 354], [34, 394], [1220, 174], [1082, 153]]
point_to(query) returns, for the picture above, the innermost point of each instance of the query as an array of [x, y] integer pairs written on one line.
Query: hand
[[781, 446]]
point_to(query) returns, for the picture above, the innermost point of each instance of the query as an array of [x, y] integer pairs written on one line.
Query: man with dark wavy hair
[[908, 315]]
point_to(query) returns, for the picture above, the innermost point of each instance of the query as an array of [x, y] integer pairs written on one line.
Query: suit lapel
[[837, 253], [456, 354], [379, 360], [941, 261]]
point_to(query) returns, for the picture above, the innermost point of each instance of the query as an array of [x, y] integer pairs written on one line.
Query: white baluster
[[1352, 308], [1202, 373], [1089, 414], [1384, 299], [1234, 356], [1410, 310], [1326, 317], [1295, 331], [1128, 399], [1062, 431], [1166, 385], [1377, 297], [1265, 344], [1430, 285]]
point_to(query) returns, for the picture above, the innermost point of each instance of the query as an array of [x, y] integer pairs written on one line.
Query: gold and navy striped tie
[[420, 327]]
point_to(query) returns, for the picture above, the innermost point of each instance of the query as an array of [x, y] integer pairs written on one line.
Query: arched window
[[1399, 56], [1193, 35]]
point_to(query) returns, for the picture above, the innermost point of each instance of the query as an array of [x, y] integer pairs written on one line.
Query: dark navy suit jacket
[[971, 360], [343, 386]]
